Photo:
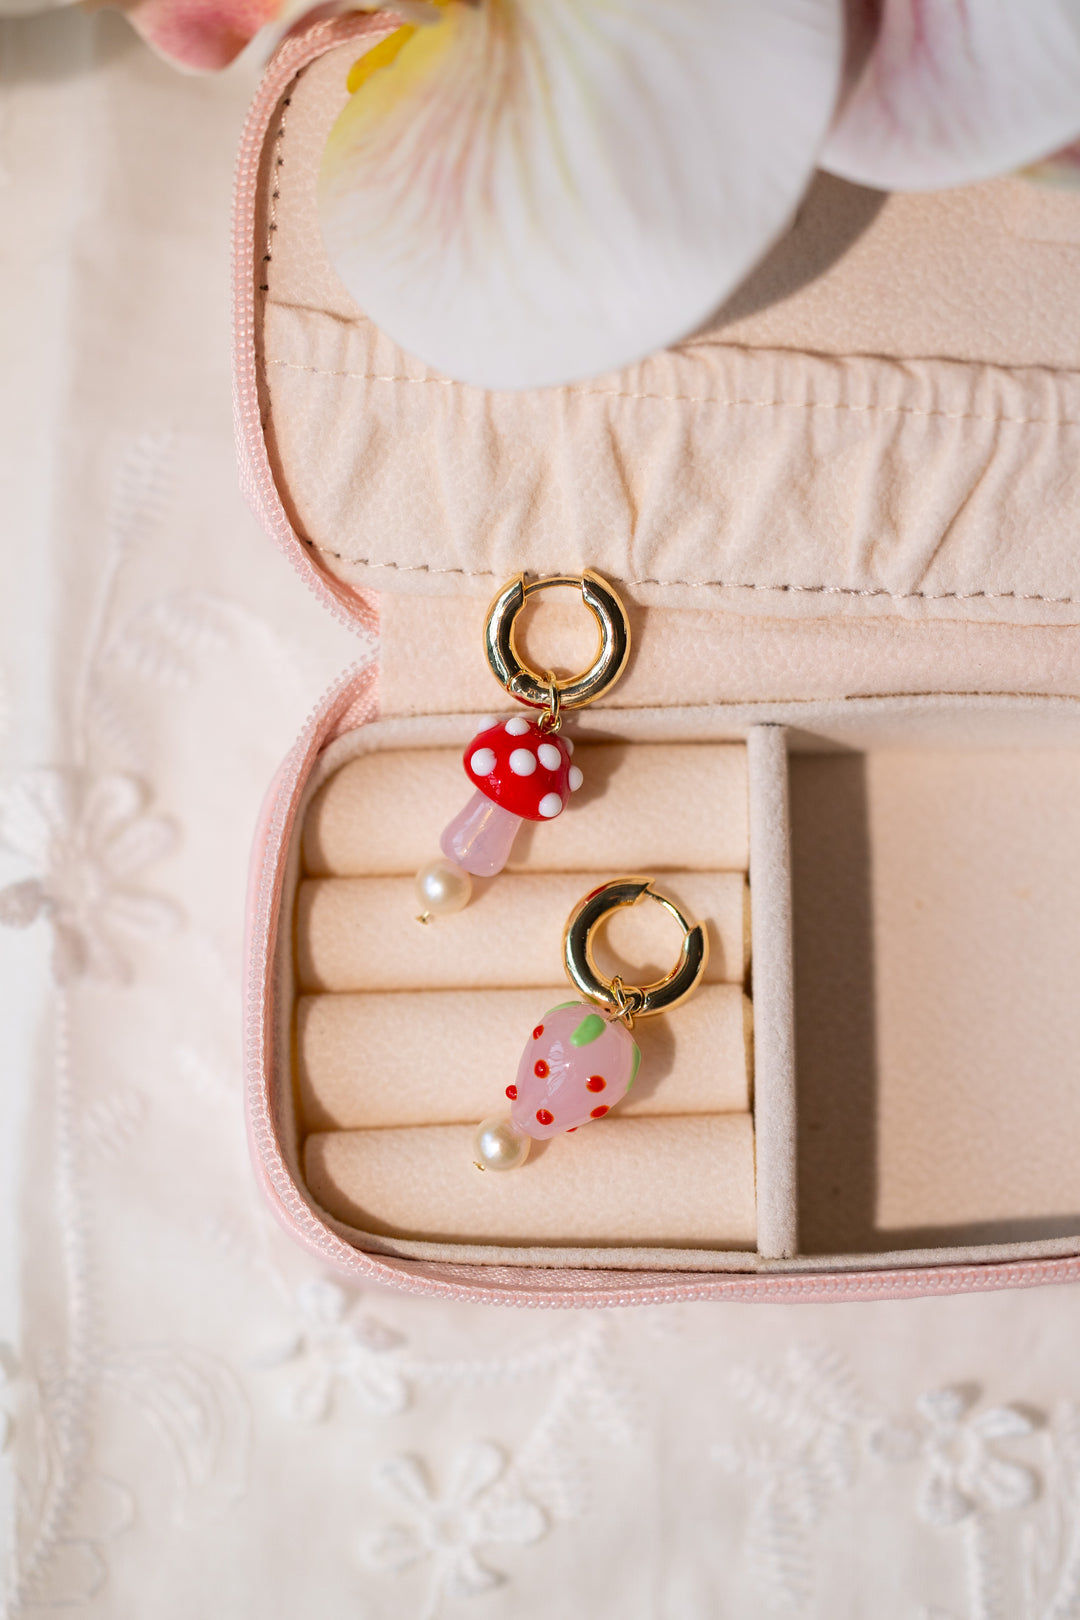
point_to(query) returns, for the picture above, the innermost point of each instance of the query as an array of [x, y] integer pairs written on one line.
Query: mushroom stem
[[480, 837]]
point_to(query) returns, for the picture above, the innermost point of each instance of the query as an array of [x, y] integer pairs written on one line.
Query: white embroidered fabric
[[198, 1420]]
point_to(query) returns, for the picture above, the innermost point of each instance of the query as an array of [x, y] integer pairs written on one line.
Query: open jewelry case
[[848, 739]]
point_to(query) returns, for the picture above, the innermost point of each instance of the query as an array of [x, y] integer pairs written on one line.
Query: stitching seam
[[706, 399], [729, 585]]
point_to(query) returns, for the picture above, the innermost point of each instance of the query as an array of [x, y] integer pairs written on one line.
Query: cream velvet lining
[[733, 471], [413, 1020], [937, 1026]]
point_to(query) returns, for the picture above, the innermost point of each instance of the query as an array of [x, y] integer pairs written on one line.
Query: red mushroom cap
[[522, 768]]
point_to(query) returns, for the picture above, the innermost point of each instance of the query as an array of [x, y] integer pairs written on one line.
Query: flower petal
[[943, 1407], [21, 903], [146, 839], [1002, 1423], [392, 1547], [468, 1577], [539, 190], [381, 1388], [201, 35], [1004, 1484], [476, 1469], [516, 1520], [952, 93], [108, 804], [321, 1303], [36, 809], [404, 1477]]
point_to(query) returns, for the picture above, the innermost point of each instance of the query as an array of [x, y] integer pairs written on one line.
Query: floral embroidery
[[963, 1472], [85, 836], [331, 1348], [809, 1453], [482, 1506]]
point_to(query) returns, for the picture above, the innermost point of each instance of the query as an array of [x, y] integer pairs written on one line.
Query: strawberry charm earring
[[581, 1058], [521, 769]]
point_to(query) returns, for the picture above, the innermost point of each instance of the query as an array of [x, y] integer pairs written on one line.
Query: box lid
[[877, 435]]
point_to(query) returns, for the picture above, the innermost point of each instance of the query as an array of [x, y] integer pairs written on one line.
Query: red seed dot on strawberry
[[598, 1113], [596, 1082], [511, 1092], [544, 1117], [538, 1031], [540, 1069]]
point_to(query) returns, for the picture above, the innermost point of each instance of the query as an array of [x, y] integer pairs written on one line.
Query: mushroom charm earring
[[521, 769], [580, 1061]]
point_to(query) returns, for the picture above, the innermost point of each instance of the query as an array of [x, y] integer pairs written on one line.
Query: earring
[[521, 768], [578, 1062]]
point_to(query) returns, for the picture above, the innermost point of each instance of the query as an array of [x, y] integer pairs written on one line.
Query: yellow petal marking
[[382, 54], [379, 56]]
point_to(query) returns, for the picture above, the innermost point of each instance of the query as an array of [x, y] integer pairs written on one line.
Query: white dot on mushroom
[[482, 762], [549, 756], [576, 778], [517, 727], [550, 805], [522, 761]]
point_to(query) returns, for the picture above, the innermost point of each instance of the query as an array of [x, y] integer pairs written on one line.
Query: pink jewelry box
[[843, 523]]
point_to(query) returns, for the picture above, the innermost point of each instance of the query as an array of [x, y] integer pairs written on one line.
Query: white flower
[[330, 1348], [525, 192], [85, 836], [481, 1507], [963, 1473]]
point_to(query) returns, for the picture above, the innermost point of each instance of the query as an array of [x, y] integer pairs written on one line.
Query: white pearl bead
[[442, 887], [499, 1145]]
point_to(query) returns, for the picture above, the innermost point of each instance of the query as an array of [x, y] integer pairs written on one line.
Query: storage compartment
[[937, 951]]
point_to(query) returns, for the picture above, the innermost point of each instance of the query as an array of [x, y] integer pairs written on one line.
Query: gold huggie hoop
[[620, 1000], [535, 688]]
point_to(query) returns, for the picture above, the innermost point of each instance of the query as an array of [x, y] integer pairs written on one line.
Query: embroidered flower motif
[[963, 1472], [330, 1349], [86, 836], [481, 1506]]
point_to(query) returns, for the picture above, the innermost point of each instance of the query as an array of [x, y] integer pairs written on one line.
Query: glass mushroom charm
[[581, 1058], [521, 768]]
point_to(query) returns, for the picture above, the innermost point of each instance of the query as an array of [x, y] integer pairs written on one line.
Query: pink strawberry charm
[[576, 1066], [521, 772]]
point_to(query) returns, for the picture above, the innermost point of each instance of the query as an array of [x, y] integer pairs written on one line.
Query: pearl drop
[[499, 1145], [442, 887]]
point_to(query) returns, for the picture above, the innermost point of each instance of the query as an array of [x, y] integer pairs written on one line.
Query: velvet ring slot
[[403, 1036]]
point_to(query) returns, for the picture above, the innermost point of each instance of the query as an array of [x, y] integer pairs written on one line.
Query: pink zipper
[[356, 608]]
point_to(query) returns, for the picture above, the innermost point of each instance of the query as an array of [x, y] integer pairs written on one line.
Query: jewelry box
[[842, 522]]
